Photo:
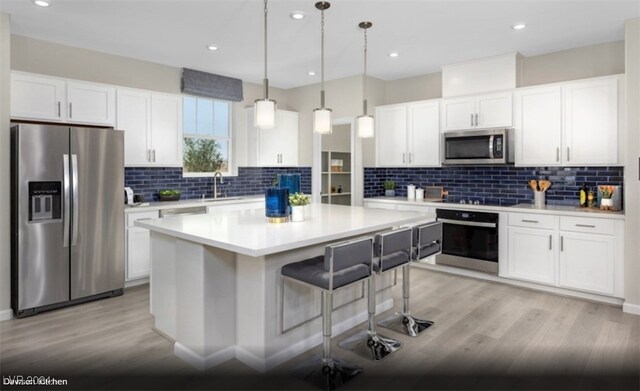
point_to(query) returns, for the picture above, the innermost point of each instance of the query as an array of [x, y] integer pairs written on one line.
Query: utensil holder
[[539, 199]]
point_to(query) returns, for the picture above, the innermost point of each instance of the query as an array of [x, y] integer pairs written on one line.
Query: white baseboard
[[202, 363], [139, 281], [631, 308], [6, 315], [260, 364]]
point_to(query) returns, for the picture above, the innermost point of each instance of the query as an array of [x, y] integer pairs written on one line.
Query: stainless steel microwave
[[489, 146]]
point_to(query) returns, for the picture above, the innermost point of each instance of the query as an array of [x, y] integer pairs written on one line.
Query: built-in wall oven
[[469, 240]]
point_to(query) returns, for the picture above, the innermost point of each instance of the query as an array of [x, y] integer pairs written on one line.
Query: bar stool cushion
[[312, 272], [390, 261]]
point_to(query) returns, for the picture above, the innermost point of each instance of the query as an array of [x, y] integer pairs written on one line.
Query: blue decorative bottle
[[276, 204], [289, 181]]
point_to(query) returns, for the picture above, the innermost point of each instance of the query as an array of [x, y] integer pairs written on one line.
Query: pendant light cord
[[322, 59], [364, 82], [265, 81]]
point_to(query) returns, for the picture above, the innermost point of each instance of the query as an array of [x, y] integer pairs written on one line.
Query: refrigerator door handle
[[74, 173], [67, 200]]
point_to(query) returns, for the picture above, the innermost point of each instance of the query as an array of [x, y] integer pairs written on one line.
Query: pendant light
[[322, 116], [265, 109], [365, 121]]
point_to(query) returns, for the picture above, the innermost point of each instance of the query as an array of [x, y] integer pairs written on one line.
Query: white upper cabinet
[[391, 135], [134, 117], [166, 129], [90, 103], [408, 134], [538, 126], [477, 112], [152, 125], [38, 97], [591, 122], [273, 147]]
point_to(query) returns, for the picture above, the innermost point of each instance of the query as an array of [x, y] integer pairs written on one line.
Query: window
[[206, 132]]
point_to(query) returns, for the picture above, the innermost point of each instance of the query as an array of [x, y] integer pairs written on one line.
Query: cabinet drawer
[[533, 220], [133, 217], [588, 225]]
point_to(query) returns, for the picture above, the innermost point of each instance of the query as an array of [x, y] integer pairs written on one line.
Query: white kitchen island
[[216, 288]]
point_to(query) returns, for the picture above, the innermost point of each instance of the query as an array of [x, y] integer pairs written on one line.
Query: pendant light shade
[[264, 114], [366, 123], [322, 116]]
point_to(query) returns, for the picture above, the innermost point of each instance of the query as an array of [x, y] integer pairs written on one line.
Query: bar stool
[[344, 264], [391, 249], [424, 241]]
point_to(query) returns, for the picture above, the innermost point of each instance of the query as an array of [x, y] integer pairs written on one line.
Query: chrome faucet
[[215, 183]]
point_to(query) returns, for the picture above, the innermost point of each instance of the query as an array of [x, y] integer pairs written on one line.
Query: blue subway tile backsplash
[[503, 185], [250, 181]]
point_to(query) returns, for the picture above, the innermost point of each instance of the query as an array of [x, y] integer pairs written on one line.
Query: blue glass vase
[[276, 204], [289, 181]]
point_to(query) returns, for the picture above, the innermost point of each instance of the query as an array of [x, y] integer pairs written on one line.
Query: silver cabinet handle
[[76, 201], [67, 199], [154, 155], [568, 154], [530, 221], [148, 155], [471, 120], [557, 154], [585, 225], [59, 111], [550, 241], [561, 243], [404, 158], [410, 157], [476, 119], [70, 110]]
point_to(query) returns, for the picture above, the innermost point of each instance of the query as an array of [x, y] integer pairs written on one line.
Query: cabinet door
[[391, 135], [40, 98], [495, 110], [166, 130], [138, 253], [424, 133], [591, 122], [538, 126], [134, 117], [587, 262], [287, 138], [91, 104], [457, 114], [532, 254]]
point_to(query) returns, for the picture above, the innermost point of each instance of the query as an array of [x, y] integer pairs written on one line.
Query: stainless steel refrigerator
[[67, 217]]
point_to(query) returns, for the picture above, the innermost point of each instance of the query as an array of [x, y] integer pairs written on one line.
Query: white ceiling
[[427, 34]]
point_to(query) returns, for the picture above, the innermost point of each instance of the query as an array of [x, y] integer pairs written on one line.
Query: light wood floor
[[486, 336]]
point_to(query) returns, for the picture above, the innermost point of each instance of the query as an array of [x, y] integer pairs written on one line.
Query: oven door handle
[[470, 223]]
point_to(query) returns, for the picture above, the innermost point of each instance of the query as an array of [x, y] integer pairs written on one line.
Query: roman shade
[[211, 86]]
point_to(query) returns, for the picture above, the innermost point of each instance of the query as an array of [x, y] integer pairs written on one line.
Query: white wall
[[5, 212], [631, 181]]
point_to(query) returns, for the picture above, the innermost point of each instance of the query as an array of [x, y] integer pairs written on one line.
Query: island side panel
[[162, 284]]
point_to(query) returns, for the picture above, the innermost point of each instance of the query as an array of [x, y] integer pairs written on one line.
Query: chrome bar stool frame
[[369, 343], [405, 323], [326, 371]]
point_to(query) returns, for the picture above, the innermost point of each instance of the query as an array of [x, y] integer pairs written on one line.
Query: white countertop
[[158, 205], [248, 231], [564, 210]]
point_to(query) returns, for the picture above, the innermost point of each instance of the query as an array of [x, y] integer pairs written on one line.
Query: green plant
[[389, 185], [201, 155], [169, 192], [607, 191], [299, 199]]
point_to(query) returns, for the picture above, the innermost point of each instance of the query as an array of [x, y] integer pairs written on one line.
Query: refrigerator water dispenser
[[45, 201]]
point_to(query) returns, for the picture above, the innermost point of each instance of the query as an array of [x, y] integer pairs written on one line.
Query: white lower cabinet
[[138, 250], [531, 254], [587, 262]]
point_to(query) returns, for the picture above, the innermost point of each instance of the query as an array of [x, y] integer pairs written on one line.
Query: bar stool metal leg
[[369, 343], [333, 371], [405, 323]]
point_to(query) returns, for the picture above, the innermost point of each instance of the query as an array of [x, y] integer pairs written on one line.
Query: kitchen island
[[215, 286]]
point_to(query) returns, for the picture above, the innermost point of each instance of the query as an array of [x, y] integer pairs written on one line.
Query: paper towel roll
[[411, 192]]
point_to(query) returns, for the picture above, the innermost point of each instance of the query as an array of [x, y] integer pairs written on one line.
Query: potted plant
[[389, 188], [169, 195], [607, 194], [297, 202]]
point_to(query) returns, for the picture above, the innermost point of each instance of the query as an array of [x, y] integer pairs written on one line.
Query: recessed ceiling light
[[518, 26], [394, 54], [42, 3], [297, 15], [311, 73], [213, 48]]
